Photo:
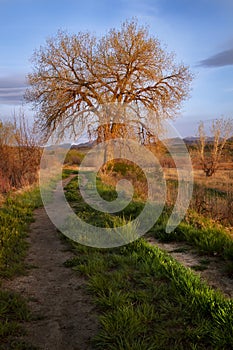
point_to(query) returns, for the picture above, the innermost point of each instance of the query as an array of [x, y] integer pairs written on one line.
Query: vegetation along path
[[211, 269], [63, 316]]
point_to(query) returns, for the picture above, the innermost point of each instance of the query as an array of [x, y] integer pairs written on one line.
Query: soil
[[63, 316]]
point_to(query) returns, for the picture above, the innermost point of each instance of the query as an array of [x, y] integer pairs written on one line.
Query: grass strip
[[15, 216]]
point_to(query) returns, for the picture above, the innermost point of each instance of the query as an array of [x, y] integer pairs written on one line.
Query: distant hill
[[171, 141], [190, 139], [84, 146], [63, 145], [88, 144]]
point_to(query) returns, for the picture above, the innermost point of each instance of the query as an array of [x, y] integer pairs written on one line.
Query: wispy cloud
[[12, 89], [221, 59]]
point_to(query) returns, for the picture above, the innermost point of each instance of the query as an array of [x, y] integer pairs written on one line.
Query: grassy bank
[[200, 232], [149, 301], [146, 299], [15, 217]]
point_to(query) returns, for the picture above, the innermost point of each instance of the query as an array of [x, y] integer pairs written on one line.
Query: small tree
[[210, 151]]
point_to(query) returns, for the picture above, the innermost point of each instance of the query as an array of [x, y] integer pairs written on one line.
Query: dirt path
[[63, 315], [213, 273]]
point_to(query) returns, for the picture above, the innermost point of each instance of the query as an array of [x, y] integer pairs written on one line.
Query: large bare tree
[[73, 75], [210, 150]]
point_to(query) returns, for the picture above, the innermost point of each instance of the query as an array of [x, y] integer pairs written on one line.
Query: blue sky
[[200, 33]]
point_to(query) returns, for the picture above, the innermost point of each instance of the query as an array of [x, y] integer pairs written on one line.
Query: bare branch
[[210, 152]]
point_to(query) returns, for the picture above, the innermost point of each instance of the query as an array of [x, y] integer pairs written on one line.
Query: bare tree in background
[[210, 152], [73, 75], [20, 153]]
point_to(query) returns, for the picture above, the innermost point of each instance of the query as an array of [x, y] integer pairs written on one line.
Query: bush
[[73, 157], [20, 155]]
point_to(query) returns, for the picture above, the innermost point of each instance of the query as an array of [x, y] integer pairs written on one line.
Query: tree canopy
[[73, 75]]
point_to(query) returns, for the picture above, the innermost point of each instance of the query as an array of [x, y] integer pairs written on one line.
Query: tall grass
[[212, 197]]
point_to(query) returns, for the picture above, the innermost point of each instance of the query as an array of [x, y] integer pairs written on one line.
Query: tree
[[210, 152], [76, 75]]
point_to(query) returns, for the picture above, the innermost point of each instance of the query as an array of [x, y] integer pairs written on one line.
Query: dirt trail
[[63, 315], [213, 273]]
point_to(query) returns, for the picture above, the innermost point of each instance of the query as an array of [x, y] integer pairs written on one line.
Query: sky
[[199, 32]]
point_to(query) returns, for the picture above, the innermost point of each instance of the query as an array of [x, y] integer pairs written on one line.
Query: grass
[[212, 196], [85, 212], [200, 232], [146, 299], [15, 216]]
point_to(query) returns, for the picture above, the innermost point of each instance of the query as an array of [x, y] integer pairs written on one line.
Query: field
[[143, 296]]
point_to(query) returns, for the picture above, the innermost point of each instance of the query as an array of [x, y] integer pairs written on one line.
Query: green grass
[[145, 298], [88, 214], [15, 216], [197, 230], [13, 309], [94, 217], [200, 232], [67, 172]]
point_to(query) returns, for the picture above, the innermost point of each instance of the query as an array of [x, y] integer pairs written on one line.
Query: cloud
[[221, 59], [12, 89]]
